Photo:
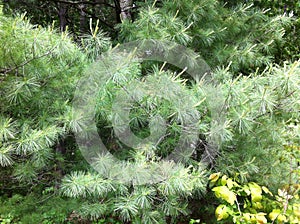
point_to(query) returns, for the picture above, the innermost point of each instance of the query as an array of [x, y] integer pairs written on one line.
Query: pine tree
[[241, 34], [39, 70]]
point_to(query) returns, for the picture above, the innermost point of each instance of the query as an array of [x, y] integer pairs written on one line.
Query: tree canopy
[[237, 125]]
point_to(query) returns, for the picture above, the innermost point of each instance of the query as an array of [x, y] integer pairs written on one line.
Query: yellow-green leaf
[[266, 190], [296, 210], [257, 205], [256, 192], [260, 218], [274, 214], [224, 193], [247, 216], [214, 177], [282, 218], [221, 212], [294, 220], [247, 190], [224, 180], [229, 183]]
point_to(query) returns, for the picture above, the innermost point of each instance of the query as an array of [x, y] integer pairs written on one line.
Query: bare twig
[[238, 206]]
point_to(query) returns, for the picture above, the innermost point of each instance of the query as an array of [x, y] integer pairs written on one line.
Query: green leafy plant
[[47, 209], [252, 203]]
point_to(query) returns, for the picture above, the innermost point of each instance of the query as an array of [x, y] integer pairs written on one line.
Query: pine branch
[[276, 106], [4, 71]]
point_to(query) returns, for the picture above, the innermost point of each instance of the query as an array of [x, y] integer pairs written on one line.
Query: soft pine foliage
[[39, 69], [256, 137], [262, 114], [242, 34]]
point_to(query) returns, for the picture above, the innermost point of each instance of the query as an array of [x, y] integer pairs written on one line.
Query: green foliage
[[258, 137], [140, 204], [96, 42], [263, 114], [242, 35], [77, 15], [290, 49], [252, 203], [47, 209], [261, 117], [39, 69]]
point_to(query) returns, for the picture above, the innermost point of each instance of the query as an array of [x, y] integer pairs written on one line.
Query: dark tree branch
[[96, 17], [84, 2]]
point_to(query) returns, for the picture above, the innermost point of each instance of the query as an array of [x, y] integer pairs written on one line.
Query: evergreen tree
[[258, 139], [241, 35]]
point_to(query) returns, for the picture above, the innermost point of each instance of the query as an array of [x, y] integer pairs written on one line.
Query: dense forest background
[[252, 49]]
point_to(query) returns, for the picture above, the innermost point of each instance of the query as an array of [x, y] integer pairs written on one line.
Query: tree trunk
[[82, 19], [99, 4], [126, 6], [60, 150], [97, 9], [117, 11], [62, 13]]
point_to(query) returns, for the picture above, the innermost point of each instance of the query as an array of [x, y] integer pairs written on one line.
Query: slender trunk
[[97, 9], [125, 7], [60, 150], [117, 11], [82, 19], [62, 13]]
